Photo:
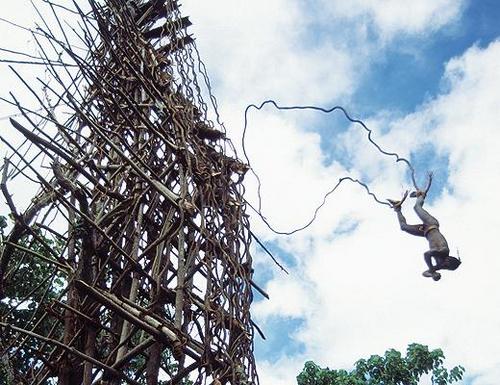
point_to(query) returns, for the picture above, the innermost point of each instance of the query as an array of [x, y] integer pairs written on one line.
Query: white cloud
[[263, 49], [20, 13], [289, 299], [301, 53], [369, 295], [274, 145], [282, 372], [362, 292], [393, 17]]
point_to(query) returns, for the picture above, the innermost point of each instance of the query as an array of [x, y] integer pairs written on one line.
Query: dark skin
[[429, 228]]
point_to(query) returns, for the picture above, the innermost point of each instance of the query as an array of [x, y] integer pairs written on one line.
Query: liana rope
[[258, 209]]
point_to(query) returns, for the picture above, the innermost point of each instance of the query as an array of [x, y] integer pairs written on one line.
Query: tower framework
[[136, 245]]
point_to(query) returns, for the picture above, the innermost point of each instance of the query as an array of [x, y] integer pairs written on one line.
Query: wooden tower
[[135, 250]]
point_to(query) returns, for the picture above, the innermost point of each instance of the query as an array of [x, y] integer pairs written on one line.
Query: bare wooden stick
[[150, 200], [3, 186], [73, 351]]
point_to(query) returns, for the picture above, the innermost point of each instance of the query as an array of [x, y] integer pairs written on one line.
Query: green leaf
[[390, 369]]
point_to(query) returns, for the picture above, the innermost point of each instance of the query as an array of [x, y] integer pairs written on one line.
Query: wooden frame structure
[[138, 233]]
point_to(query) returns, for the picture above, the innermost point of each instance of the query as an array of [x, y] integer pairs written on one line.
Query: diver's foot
[[428, 273], [432, 274], [396, 205], [417, 193], [440, 265]]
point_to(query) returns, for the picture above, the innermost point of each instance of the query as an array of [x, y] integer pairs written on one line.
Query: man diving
[[438, 247]]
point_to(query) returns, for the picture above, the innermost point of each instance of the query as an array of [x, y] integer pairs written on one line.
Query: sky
[[424, 76]]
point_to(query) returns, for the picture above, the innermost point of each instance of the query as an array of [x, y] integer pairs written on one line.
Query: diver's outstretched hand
[[396, 205]]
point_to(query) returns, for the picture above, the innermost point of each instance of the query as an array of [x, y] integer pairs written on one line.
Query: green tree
[[36, 282], [390, 369], [33, 284]]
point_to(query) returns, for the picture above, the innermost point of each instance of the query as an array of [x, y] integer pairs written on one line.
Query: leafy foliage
[[36, 281], [390, 369]]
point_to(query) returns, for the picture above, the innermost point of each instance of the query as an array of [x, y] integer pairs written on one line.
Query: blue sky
[[424, 75], [412, 70]]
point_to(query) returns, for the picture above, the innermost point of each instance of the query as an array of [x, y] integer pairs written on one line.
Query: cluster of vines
[[258, 209], [139, 225]]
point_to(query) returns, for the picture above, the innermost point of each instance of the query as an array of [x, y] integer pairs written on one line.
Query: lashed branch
[[143, 211]]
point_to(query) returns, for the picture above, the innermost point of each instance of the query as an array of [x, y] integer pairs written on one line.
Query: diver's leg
[[427, 218], [411, 229], [428, 260], [432, 274], [440, 258]]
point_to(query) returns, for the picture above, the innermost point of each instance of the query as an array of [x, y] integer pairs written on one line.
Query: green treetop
[[390, 369]]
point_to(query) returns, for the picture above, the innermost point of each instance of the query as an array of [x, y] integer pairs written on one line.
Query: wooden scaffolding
[[135, 250]]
